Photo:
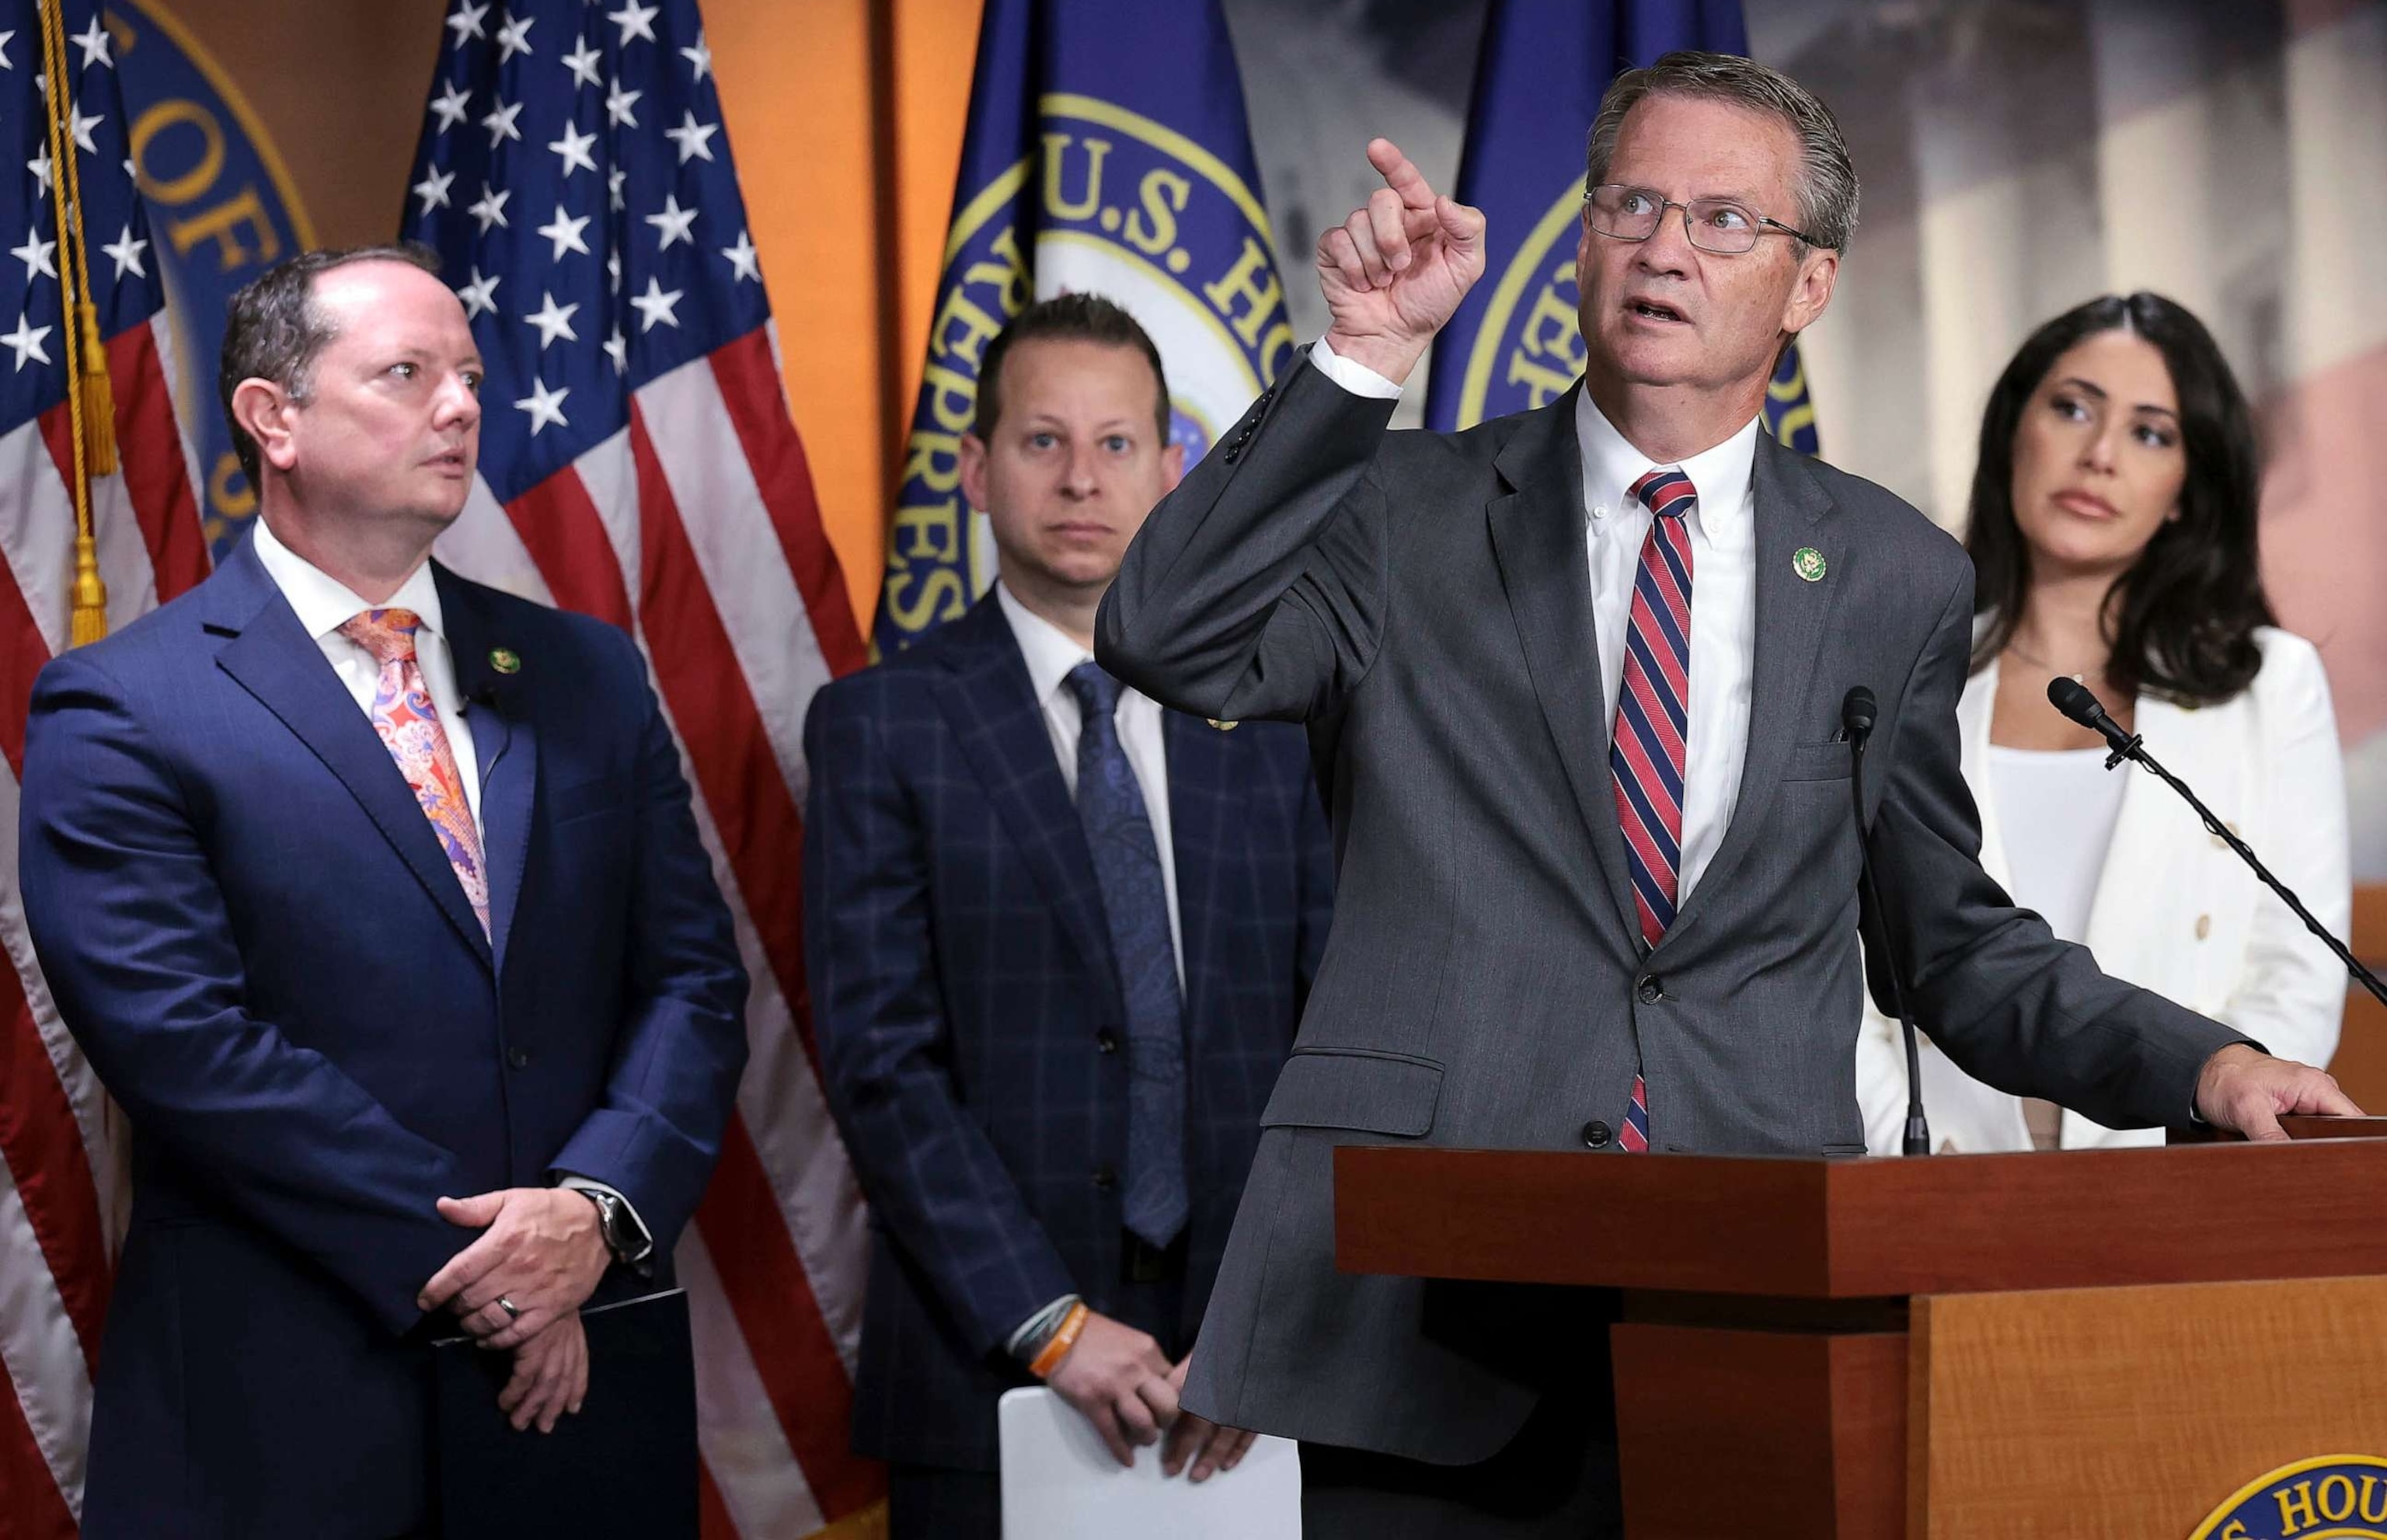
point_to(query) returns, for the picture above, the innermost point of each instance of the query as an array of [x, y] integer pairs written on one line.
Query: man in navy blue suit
[[1058, 939], [374, 898]]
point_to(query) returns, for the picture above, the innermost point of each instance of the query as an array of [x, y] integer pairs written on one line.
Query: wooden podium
[[2104, 1342]]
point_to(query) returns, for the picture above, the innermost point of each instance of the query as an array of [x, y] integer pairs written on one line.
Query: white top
[[2058, 807], [1051, 654], [325, 604], [1723, 593]]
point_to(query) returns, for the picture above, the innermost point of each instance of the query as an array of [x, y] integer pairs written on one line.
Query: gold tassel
[[98, 401], [869, 1524], [89, 621]]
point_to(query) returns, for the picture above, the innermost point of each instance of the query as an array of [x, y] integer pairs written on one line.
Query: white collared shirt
[[325, 604], [1051, 653], [1723, 593]]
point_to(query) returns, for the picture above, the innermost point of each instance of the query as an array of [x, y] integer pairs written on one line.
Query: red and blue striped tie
[[1653, 722]]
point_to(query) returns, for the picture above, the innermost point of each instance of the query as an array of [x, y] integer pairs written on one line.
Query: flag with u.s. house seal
[[1515, 343], [1106, 153]]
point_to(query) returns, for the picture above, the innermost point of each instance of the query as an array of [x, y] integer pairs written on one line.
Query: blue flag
[[1106, 153], [1515, 344]]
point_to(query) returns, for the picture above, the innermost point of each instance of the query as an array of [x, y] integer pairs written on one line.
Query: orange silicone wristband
[[1064, 1338]]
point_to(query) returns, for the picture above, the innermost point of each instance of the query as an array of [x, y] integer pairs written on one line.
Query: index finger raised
[[1400, 173]]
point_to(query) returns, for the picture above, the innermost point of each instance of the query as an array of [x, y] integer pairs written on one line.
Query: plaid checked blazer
[[963, 993]]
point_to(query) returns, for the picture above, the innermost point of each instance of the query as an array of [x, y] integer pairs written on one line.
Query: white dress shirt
[[325, 604], [1051, 653], [1723, 593]]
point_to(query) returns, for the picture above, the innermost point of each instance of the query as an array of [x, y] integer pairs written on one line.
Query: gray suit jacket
[[1423, 601]]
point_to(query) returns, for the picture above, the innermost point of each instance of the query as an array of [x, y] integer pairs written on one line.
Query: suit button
[[1651, 989], [2204, 926], [1597, 1134], [1106, 1178], [518, 1058], [1107, 1041]]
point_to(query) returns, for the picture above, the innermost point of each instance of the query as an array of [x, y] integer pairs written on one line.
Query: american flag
[[62, 1194], [637, 463]]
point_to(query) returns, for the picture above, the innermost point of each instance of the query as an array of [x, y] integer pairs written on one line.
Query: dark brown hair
[[1068, 317], [272, 330], [2181, 621]]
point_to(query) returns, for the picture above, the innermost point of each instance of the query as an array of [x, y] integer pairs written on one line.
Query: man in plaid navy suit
[[1058, 939]]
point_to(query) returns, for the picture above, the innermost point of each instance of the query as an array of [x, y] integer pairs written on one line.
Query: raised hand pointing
[[1395, 272]]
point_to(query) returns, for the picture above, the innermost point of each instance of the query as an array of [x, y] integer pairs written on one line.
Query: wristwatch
[[623, 1236]]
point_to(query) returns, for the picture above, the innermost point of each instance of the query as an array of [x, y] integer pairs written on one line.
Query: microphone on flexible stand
[[1857, 713], [2078, 702]]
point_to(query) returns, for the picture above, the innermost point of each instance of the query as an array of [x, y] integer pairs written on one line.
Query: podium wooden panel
[[2076, 1318], [2059, 1385]]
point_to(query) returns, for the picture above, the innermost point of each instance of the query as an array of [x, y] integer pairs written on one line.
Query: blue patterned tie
[[1127, 868]]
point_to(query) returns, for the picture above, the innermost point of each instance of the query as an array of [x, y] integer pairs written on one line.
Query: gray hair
[[1827, 180], [272, 330]]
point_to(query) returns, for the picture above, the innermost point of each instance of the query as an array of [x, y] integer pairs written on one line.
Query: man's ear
[[1818, 271], [973, 458], [1172, 467], [262, 408]]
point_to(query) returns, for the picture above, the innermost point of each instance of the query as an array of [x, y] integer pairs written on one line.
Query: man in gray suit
[[1598, 862]]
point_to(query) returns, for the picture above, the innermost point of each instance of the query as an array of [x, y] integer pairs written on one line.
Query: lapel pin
[[1222, 727], [1808, 563], [505, 659]]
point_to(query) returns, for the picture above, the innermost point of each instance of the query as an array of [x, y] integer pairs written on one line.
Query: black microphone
[[1857, 714], [2076, 701]]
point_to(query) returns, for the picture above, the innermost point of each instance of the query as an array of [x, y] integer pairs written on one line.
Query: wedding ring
[[507, 1306]]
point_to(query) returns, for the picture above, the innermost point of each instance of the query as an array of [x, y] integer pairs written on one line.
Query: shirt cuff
[[589, 1184], [1357, 378], [1047, 1318]]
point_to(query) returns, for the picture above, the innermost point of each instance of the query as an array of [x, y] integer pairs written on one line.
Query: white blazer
[[2176, 911]]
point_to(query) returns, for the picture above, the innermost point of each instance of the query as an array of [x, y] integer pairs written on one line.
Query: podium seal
[[2330, 1497]]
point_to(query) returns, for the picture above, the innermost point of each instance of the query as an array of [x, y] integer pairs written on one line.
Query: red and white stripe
[[62, 1197], [695, 527]]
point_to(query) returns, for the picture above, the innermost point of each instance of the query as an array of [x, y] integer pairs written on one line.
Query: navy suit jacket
[[969, 1017], [254, 934]]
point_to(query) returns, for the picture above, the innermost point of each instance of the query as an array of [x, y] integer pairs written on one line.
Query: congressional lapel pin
[[1222, 727], [1808, 563], [505, 659]]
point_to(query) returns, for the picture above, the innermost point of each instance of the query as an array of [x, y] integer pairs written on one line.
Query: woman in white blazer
[[2113, 535]]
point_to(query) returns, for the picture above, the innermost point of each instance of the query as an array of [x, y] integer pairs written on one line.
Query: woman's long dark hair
[[2181, 621]]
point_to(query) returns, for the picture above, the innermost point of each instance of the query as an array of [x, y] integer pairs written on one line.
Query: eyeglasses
[[1714, 224]]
